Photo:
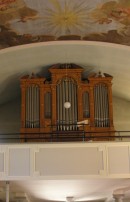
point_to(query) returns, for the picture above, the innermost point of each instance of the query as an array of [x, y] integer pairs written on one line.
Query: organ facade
[[66, 104]]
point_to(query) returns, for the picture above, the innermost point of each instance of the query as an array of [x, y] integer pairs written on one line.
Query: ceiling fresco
[[30, 21]]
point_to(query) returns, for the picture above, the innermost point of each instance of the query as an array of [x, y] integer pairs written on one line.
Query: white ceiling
[[93, 56], [57, 190]]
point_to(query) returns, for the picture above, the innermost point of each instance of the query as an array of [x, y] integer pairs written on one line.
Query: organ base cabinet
[[66, 105]]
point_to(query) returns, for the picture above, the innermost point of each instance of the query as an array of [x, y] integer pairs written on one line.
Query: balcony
[[73, 160]]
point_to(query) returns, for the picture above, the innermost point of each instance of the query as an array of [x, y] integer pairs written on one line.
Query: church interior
[[64, 83]]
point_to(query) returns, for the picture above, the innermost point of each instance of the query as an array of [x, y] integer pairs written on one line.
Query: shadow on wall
[[121, 114], [10, 119], [10, 89]]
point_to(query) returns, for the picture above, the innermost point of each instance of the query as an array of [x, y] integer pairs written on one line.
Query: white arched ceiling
[[93, 56]]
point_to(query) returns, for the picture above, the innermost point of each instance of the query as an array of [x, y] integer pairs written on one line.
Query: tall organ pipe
[[66, 92], [75, 105], [70, 99], [107, 109], [32, 107], [101, 106], [72, 106]]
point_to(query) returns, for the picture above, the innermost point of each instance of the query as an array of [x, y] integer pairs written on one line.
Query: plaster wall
[[121, 114], [9, 119]]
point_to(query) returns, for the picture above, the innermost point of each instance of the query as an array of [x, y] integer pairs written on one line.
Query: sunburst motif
[[68, 17]]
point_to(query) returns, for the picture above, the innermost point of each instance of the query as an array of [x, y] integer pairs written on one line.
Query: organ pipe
[[66, 92], [32, 107], [101, 106]]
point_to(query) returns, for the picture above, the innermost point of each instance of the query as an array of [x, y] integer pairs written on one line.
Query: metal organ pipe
[[32, 107], [36, 107], [69, 110], [101, 106], [107, 108], [72, 91], [75, 105], [70, 99], [95, 103], [96, 106], [63, 98], [66, 100], [27, 109], [58, 107], [66, 92]]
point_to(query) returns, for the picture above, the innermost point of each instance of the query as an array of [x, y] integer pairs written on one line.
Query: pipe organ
[[59, 104]]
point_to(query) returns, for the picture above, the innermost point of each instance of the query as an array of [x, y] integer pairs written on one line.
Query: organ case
[[59, 104]]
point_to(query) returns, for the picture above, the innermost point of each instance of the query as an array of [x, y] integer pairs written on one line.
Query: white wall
[[121, 114], [10, 116], [9, 119]]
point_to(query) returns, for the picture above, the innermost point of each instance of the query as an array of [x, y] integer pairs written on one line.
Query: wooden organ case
[[58, 105]]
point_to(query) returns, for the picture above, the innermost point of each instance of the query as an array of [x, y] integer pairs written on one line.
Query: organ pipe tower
[[63, 101]]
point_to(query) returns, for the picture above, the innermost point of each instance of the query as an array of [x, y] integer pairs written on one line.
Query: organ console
[[66, 104]]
